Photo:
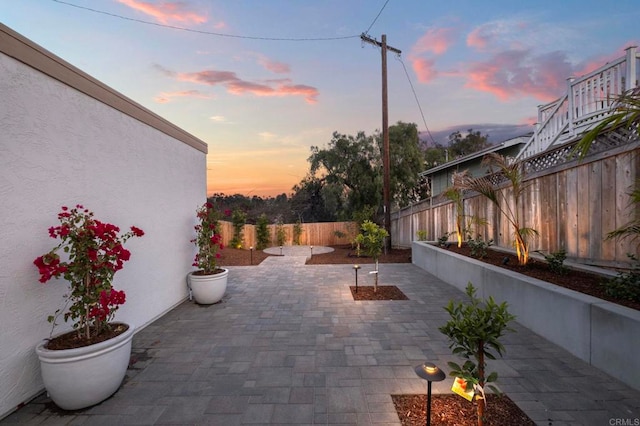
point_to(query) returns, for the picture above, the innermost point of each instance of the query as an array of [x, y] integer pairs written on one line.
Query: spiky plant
[[483, 185], [625, 111]]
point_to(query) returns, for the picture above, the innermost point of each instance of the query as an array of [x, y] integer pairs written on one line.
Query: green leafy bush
[[442, 241], [297, 233], [371, 242], [238, 219], [474, 332], [281, 233], [479, 246], [262, 232], [627, 284], [556, 260], [422, 234]]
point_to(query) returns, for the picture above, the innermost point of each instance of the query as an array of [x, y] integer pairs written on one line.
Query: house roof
[[493, 148]]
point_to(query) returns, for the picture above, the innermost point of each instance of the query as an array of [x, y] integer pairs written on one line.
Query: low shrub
[[627, 284]]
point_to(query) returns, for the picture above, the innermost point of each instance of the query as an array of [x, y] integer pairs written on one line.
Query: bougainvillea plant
[[208, 240], [93, 252]]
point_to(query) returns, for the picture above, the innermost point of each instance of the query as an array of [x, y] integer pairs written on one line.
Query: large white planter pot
[[208, 289], [79, 378]]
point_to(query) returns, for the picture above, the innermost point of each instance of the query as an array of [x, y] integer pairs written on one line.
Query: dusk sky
[[261, 81]]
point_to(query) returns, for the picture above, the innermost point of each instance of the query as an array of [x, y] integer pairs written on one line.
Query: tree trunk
[[480, 397]]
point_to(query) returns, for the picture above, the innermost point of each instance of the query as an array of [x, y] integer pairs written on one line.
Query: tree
[[456, 195], [371, 241], [262, 232], [313, 201], [472, 142], [483, 185], [475, 332], [458, 146], [406, 162], [352, 165]]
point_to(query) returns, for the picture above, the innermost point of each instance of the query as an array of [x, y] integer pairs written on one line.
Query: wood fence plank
[[608, 201], [582, 212]]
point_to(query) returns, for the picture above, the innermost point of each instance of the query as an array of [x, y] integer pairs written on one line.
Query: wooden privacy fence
[[573, 206], [315, 234]]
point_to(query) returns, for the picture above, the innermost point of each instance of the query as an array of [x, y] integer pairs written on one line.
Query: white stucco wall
[[58, 147]]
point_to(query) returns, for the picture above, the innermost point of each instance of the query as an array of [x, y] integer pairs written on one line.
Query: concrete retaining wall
[[601, 333]]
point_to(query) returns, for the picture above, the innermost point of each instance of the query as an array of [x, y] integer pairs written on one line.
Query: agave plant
[[483, 185]]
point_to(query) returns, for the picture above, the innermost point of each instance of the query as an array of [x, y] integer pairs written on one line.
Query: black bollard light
[[429, 372], [251, 251], [355, 268]]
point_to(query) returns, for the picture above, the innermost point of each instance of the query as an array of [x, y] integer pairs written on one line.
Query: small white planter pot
[[82, 377], [208, 289]]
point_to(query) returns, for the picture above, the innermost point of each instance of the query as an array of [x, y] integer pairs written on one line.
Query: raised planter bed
[[601, 333]]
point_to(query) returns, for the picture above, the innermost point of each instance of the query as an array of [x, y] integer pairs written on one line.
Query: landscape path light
[[429, 372], [311, 251], [251, 255], [355, 268], [280, 250]]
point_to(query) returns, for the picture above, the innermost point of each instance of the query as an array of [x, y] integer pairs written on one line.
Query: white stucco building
[[66, 139]]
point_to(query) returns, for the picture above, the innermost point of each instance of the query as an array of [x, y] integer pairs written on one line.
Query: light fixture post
[[251, 251], [355, 268], [429, 372]]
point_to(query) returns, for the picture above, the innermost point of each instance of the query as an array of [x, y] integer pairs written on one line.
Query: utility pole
[[386, 176]]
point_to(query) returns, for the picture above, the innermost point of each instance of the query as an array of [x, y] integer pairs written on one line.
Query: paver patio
[[289, 345]]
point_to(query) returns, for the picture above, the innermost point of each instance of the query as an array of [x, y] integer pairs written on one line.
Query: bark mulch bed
[[385, 292], [453, 410], [583, 282]]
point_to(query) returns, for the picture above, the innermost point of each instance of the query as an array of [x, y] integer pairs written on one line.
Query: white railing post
[[630, 82], [570, 104]]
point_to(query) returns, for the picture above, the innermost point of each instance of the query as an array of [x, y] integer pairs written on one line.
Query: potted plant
[[83, 367], [209, 282]]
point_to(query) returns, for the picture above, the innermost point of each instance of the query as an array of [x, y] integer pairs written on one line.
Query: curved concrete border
[[298, 250]]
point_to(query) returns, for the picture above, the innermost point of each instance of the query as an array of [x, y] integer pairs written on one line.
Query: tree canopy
[[349, 169]]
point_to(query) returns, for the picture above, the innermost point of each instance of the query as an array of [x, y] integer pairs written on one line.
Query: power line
[[211, 33], [417, 101], [377, 16]]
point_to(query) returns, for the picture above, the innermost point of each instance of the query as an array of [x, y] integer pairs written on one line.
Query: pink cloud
[[166, 12], [516, 72], [274, 66], [237, 86], [436, 40], [165, 97], [479, 38], [424, 69], [595, 63]]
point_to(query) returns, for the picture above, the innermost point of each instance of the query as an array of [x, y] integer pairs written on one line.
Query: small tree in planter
[[371, 242], [475, 332]]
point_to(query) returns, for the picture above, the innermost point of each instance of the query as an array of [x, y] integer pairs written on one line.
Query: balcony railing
[[587, 101]]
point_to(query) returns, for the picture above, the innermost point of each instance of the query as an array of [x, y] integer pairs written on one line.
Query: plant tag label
[[460, 387]]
